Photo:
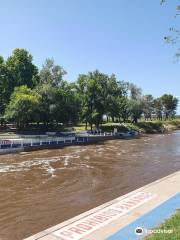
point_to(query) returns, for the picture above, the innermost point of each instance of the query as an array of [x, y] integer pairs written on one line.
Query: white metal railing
[[14, 143], [23, 142]]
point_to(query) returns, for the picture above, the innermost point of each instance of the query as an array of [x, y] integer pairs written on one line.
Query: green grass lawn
[[172, 223]]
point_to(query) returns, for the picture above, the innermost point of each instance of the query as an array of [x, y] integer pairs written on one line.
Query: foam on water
[[40, 162]]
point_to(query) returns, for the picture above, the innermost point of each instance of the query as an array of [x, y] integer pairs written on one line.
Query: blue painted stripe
[[148, 221]]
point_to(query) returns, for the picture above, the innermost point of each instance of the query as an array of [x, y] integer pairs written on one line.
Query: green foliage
[[170, 104], [150, 127], [136, 109], [29, 96], [172, 224], [3, 86], [174, 32], [22, 106], [101, 95], [110, 128], [51, 74], [158, 108], [148, 108], [21, 69], [58, 104]]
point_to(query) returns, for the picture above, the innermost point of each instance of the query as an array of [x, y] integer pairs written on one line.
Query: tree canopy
[[29, 95]]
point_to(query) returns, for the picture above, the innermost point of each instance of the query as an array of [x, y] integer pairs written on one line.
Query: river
[[43, 188]]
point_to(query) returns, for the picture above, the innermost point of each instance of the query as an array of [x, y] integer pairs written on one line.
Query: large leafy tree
[[65, 105], [136, 109], [102, 94], [116, 105], [50, 88], [51, 73], [136, 103], [148, 107], [46, 93], [21, 70], [58, 104], [3, 86], [158, 108], [123, 108], [93, 91], [170, 104], [23, 105]]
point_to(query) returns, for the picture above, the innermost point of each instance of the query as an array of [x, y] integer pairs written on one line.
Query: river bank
[[147, 127], [12, 143]]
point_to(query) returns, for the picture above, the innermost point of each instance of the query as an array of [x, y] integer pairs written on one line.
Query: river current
[[43, 188]]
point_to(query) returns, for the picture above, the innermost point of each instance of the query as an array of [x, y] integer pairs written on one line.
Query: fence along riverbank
[[44, 142]]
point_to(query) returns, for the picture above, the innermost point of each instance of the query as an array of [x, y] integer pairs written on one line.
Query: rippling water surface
[[43, 188]]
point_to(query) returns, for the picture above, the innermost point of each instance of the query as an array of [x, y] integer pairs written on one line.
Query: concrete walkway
[[104, 221]]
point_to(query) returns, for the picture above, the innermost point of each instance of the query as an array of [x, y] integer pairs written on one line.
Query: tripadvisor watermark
[[145, 231]]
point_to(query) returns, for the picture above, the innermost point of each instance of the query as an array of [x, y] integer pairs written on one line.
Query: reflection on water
[[43, 188]]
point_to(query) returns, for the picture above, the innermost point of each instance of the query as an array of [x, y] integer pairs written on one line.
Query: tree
[[174, 36], [21, 70], [95, 96], [124, 108], [89, 89], [51, 74], [22, 106], [136, 109], [65, 105], [135, 92], [58, 104], [136, 103], [3, 86], [46, 93], [158, 108], [148, 109], [170, 104], [116, 98]]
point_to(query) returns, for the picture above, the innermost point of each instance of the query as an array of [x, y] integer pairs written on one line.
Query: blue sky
[[114, 36]]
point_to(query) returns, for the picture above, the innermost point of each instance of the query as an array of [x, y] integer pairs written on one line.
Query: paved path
[[122, 215]]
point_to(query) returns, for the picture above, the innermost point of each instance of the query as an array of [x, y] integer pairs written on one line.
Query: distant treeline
[[32, 95]]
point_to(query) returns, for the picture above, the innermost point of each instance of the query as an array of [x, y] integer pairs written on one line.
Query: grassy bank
[[172, 224], [145, 126]]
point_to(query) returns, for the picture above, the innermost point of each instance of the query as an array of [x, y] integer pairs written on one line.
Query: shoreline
[[142, 128]]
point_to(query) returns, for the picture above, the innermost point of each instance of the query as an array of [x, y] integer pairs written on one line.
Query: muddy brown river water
[[43, 188]]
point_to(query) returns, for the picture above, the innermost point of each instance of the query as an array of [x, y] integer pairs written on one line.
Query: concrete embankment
[[144, 208]]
